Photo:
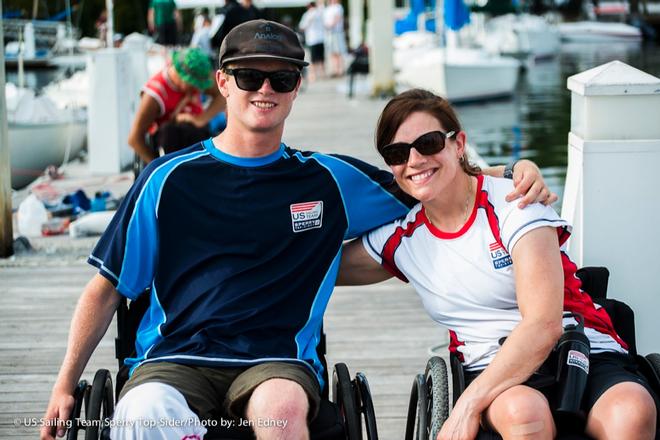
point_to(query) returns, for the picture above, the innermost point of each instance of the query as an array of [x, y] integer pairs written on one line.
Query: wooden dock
[[379, 330]]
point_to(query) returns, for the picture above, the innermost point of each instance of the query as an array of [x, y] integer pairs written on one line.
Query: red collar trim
[[470, 221]]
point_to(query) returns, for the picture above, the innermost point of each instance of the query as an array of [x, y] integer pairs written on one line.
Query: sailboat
[[457, 73], [40, 134]]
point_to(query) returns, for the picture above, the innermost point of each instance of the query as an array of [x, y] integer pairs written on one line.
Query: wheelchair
[[429, 399], [339, 419]]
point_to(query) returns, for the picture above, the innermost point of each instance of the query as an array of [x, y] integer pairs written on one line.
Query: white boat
[[598, 32], [521, 36], [459, 74], [40, 134]]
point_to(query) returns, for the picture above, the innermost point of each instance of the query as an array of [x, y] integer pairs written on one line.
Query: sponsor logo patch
[[499, 255], [308, 215], [578, 359]]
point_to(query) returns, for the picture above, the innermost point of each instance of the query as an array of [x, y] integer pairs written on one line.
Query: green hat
[[194, 67]]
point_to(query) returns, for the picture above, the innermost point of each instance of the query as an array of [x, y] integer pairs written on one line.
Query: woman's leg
[[521, 412], [626, 410]]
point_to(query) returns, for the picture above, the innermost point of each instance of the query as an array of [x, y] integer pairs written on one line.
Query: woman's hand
[[463, 423], [529, 184]]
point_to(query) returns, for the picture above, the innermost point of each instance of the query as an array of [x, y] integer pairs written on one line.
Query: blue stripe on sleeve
[[367, 204], [309, 336]]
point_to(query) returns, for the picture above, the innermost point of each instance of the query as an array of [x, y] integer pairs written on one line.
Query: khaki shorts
[[216, 392]]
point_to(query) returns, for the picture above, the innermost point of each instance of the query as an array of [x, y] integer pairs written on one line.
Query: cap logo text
[[267, 36]]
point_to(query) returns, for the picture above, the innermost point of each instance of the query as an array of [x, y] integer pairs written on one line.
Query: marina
[[380, 330]]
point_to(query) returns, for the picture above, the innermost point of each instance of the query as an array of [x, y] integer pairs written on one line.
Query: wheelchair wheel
[[417, 410], [367, 406], [438, 402], [101, 404], [81, 400], [344, 395]]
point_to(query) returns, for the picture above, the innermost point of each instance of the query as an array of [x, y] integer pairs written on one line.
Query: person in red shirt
[[171, 115]]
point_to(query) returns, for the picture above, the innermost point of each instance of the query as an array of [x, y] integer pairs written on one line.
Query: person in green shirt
[[164, 21]]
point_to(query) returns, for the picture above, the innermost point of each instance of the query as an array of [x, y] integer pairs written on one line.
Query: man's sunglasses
[[251, 80], [427, 144]]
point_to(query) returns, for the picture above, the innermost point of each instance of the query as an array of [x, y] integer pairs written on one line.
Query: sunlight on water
[[535, 123]]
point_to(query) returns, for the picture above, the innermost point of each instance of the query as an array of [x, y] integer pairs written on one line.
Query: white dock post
[[111, 109], [381, 32], [355, 21], [611, 195]]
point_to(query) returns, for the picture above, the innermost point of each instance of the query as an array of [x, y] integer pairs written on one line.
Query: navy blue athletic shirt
[[241, 254]]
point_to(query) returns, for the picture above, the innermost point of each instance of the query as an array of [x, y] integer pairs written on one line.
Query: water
[[39, 78], [534, 124]]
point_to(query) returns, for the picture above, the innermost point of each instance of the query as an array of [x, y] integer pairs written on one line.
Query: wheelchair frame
[[351, 402], [429, 408]]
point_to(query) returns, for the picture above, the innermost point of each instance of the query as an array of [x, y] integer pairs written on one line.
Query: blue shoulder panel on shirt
[[366, 202]]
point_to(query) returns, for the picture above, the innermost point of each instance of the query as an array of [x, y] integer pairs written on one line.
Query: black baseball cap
[[262, 39]]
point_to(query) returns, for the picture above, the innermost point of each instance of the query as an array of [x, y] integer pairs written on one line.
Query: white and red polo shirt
[[465, 278]]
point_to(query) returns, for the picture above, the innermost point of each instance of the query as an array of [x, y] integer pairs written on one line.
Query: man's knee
[[278, 400]]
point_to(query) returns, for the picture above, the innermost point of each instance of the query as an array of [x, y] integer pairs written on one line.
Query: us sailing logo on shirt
[[308, 215], [499, 255]]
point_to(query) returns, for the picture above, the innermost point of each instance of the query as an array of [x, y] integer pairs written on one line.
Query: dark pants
[[166, 34]]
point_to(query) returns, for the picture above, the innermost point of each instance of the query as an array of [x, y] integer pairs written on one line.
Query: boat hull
[[596, 32], [461, 75], [33, 147]]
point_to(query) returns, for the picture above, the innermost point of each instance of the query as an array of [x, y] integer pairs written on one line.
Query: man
[[164, 20], [235, 14], [171, 111], [239, 238]]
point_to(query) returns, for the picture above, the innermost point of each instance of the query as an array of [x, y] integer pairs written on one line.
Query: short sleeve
[[126, 254], [382, 243], [517, 222]]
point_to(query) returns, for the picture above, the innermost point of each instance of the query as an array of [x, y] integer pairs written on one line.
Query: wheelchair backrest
[[594, 282]]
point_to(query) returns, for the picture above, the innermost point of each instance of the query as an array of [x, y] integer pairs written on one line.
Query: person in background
[[335, 38], [170, 115], [202, 37], [164, 20], [200, 17], [311, 24], [235, 14]]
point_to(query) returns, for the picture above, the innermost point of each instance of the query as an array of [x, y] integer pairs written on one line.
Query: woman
[[488, 270]]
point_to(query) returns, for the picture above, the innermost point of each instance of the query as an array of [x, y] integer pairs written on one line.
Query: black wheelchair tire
[[438, 392], [422, 408], [343, 394], [367, 406], [101, 404], [80, 401]]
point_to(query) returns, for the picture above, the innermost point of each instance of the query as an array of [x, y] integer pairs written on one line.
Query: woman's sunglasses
[[427, 144], [251, 80]]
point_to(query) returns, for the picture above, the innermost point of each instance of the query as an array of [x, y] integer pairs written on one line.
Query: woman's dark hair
[[418, 100]]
